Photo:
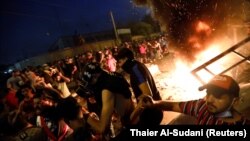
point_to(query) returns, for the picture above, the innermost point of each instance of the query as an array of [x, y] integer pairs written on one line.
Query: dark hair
[[26, 85], [125, 52], [69, 108], [98, 56], [52, 112], [52, 94]]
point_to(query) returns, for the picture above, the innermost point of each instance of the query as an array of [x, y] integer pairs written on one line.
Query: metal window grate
[[230, 50]]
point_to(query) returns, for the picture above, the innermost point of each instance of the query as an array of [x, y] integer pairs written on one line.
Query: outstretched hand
[[145, 101]]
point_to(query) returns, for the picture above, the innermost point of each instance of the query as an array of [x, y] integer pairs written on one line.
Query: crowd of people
[[96, 95]]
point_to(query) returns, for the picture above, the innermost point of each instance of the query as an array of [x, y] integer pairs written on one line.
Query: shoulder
[[192, 104]]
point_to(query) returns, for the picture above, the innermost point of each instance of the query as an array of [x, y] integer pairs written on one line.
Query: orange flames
[[181, 84], [203, 27], [202, 32]]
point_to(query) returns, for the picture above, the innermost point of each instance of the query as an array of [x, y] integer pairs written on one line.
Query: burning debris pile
[[174, 80]]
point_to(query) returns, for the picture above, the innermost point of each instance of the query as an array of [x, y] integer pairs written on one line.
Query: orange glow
[[154, 69], [195, 42], [202, 26], [179, 84], [204, 56], [212, 51]]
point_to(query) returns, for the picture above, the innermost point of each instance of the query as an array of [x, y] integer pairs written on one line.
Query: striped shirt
[[198, 109]]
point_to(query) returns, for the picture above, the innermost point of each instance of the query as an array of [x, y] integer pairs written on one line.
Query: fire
[[154, 69], [203, 31], [212, 51], [195, 42], [179, 84], [203, 27], [182, 78], [218, 66]]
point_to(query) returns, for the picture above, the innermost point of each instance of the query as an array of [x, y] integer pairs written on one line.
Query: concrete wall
[[69, 52], [63, 53]]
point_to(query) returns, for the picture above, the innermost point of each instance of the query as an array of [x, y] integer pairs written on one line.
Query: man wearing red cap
[[217, 108]]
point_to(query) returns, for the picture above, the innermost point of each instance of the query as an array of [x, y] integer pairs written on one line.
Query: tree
[[141, 28], [150, 20]]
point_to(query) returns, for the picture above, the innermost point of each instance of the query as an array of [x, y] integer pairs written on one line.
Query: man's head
[[222, 93], [124, 55], [16, 72], [72, 113], [48, 102], [27, 91]]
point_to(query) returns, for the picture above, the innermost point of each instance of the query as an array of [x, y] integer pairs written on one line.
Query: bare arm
[[108, 101], [164, 105], [66, 79], [167, 106], [145, 89], [74, 69], [135, 115]]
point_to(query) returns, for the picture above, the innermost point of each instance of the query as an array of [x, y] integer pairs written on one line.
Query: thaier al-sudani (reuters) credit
[[189, 132]]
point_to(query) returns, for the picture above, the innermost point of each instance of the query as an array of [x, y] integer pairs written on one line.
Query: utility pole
[[114, 26]]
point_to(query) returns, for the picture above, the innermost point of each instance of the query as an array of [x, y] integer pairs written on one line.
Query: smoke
[[181, 17]]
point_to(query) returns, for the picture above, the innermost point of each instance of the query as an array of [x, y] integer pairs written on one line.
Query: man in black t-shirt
[[112, 93], [70, 69]]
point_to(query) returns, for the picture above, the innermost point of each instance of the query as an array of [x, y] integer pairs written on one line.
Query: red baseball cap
[[222, 83]]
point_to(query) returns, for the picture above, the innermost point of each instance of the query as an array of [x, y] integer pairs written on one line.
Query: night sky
[[30, 27]]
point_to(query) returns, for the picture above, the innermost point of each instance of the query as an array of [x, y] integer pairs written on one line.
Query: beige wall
[[66, 52], [70, 51]]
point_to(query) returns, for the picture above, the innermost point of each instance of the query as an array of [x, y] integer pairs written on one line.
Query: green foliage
[[150, 20]]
